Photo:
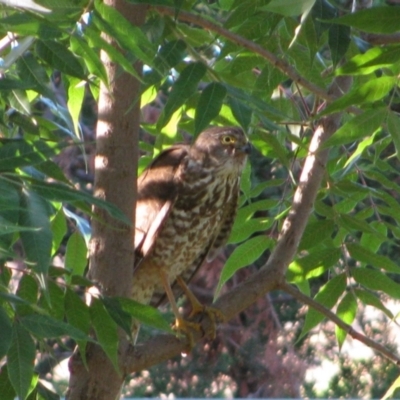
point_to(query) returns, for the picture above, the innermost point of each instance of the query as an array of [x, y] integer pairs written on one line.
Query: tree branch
[[277, 62], [334, 318]]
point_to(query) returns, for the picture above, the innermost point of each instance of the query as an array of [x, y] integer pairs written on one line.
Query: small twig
[[334, 318]]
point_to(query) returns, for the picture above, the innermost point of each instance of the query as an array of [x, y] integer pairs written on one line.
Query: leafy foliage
[[348, 256]]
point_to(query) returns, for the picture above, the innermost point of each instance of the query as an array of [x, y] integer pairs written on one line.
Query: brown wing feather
[[157, 192], [210, 252]]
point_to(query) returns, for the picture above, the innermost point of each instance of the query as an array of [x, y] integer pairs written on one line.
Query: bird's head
[[226, 147]]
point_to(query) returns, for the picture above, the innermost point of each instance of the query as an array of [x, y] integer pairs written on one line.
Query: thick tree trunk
[[111, 252]]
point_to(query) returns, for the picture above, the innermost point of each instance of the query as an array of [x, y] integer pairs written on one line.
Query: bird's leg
[[214, 314], [180, 324]]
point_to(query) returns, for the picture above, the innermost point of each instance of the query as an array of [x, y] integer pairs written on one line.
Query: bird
[[187, 199]]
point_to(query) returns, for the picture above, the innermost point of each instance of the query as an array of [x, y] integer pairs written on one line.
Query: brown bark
[[111, 252]]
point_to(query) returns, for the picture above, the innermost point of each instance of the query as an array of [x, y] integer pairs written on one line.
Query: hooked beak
[[246, 148]]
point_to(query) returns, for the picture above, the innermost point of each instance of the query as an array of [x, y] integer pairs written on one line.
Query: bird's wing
[[210, 251], [157, 191]]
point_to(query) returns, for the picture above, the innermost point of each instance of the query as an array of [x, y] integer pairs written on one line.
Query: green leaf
[[95, 40], [76, 94], [9, 209], [184, 87], [58, 230], [130, 37], [393, 126], [78, 315], [19, 153], [240, 111], [53, 302], [33, 74], [375, 19], [376, 280], [268, 144], [357, 128], [76, 254], [316, 232], [37, 244], [27, 290], [368, 62], [245, 180], [371, 299], [5, 334], [244, 255], [352, 223], [245, 213], [92, 59], [168, 56], [346, 311], [59, 57], [368, 257], [145, 314], [289, 8], [45, 394], [52, 170], [19, 100], [369, 92], [120, 316], [209, 105], [64, 193], [339, 42], [371, 241], [77, 311], [327, 296], [243, 230], [44, 326], [106, 330], [20, 361], [6, 389]]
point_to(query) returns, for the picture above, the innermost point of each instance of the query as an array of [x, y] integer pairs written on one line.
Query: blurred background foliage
[[193, 76]]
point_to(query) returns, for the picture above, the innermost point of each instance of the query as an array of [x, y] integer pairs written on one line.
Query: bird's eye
[[227, 139]]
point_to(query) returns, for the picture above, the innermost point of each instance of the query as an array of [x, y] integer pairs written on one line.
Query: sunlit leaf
[[346, 311]]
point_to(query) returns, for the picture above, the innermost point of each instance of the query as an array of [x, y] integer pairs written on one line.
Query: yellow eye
[[228, 139]]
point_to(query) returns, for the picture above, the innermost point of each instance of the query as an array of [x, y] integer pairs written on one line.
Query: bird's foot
[[215, 316], [186, 328]]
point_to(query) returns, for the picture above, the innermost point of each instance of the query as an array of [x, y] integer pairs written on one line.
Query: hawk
[[186, 205]]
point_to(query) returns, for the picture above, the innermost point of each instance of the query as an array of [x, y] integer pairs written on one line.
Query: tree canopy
[[315, 83]]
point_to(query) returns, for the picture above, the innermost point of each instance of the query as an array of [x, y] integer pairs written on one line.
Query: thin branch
[[378, 39], [277, 62], [334, 318]]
